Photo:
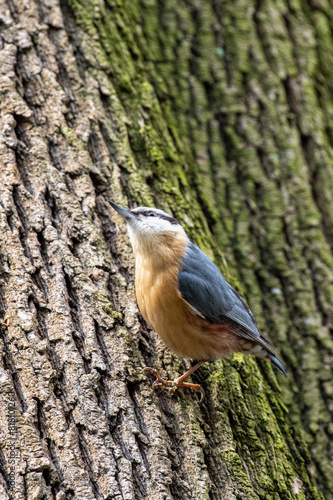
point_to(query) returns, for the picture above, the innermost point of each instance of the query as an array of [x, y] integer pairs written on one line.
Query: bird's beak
[[126, 215]]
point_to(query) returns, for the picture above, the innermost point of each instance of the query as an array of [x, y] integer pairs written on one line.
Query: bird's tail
[[263, 349], [277, 363]]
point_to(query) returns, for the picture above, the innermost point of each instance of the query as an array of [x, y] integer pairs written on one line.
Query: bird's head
[[149, 227]]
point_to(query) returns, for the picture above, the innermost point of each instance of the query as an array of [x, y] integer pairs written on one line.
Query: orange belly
[[180, 327]]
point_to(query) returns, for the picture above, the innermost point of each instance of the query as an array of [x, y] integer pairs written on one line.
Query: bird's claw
[[202, 393], [159, 382], [153, 370], [177, 383]]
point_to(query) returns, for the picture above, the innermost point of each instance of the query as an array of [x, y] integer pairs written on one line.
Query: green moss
[[102, 300], [222, 114]]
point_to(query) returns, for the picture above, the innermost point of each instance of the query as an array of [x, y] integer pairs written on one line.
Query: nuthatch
[[183, 296]]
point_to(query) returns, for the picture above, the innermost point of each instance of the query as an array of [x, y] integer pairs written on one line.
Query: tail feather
[[277, 363]]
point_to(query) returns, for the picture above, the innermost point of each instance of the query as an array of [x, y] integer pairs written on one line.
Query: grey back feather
[[203, 286]]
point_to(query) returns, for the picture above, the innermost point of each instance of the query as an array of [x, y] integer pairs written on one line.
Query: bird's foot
[[159, 382], [196, 387], [174, 384]]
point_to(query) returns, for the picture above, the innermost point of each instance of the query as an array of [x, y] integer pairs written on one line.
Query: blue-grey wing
[[202, 285]]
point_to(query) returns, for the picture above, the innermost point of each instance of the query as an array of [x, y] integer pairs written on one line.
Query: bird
[[186, 300]]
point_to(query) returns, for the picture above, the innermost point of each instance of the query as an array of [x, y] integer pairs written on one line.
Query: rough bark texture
[[220, 112]]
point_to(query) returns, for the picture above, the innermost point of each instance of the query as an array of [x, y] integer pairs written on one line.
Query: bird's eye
[[151, 214]]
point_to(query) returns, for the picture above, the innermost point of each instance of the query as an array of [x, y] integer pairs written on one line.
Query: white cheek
[[155, 225], [161, 226], [146, 231]]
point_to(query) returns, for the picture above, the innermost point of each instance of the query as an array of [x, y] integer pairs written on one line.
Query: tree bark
[[221, 113]]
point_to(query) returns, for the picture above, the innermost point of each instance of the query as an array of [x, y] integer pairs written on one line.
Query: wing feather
[[203, 286]]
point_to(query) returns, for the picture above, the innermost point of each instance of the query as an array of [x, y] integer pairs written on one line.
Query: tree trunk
[[221, 113]]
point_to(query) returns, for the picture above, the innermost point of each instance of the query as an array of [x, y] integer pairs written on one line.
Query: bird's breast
[[180, 327]]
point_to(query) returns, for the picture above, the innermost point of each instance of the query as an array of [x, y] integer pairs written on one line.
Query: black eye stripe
[[170, 219], [151, 213]]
